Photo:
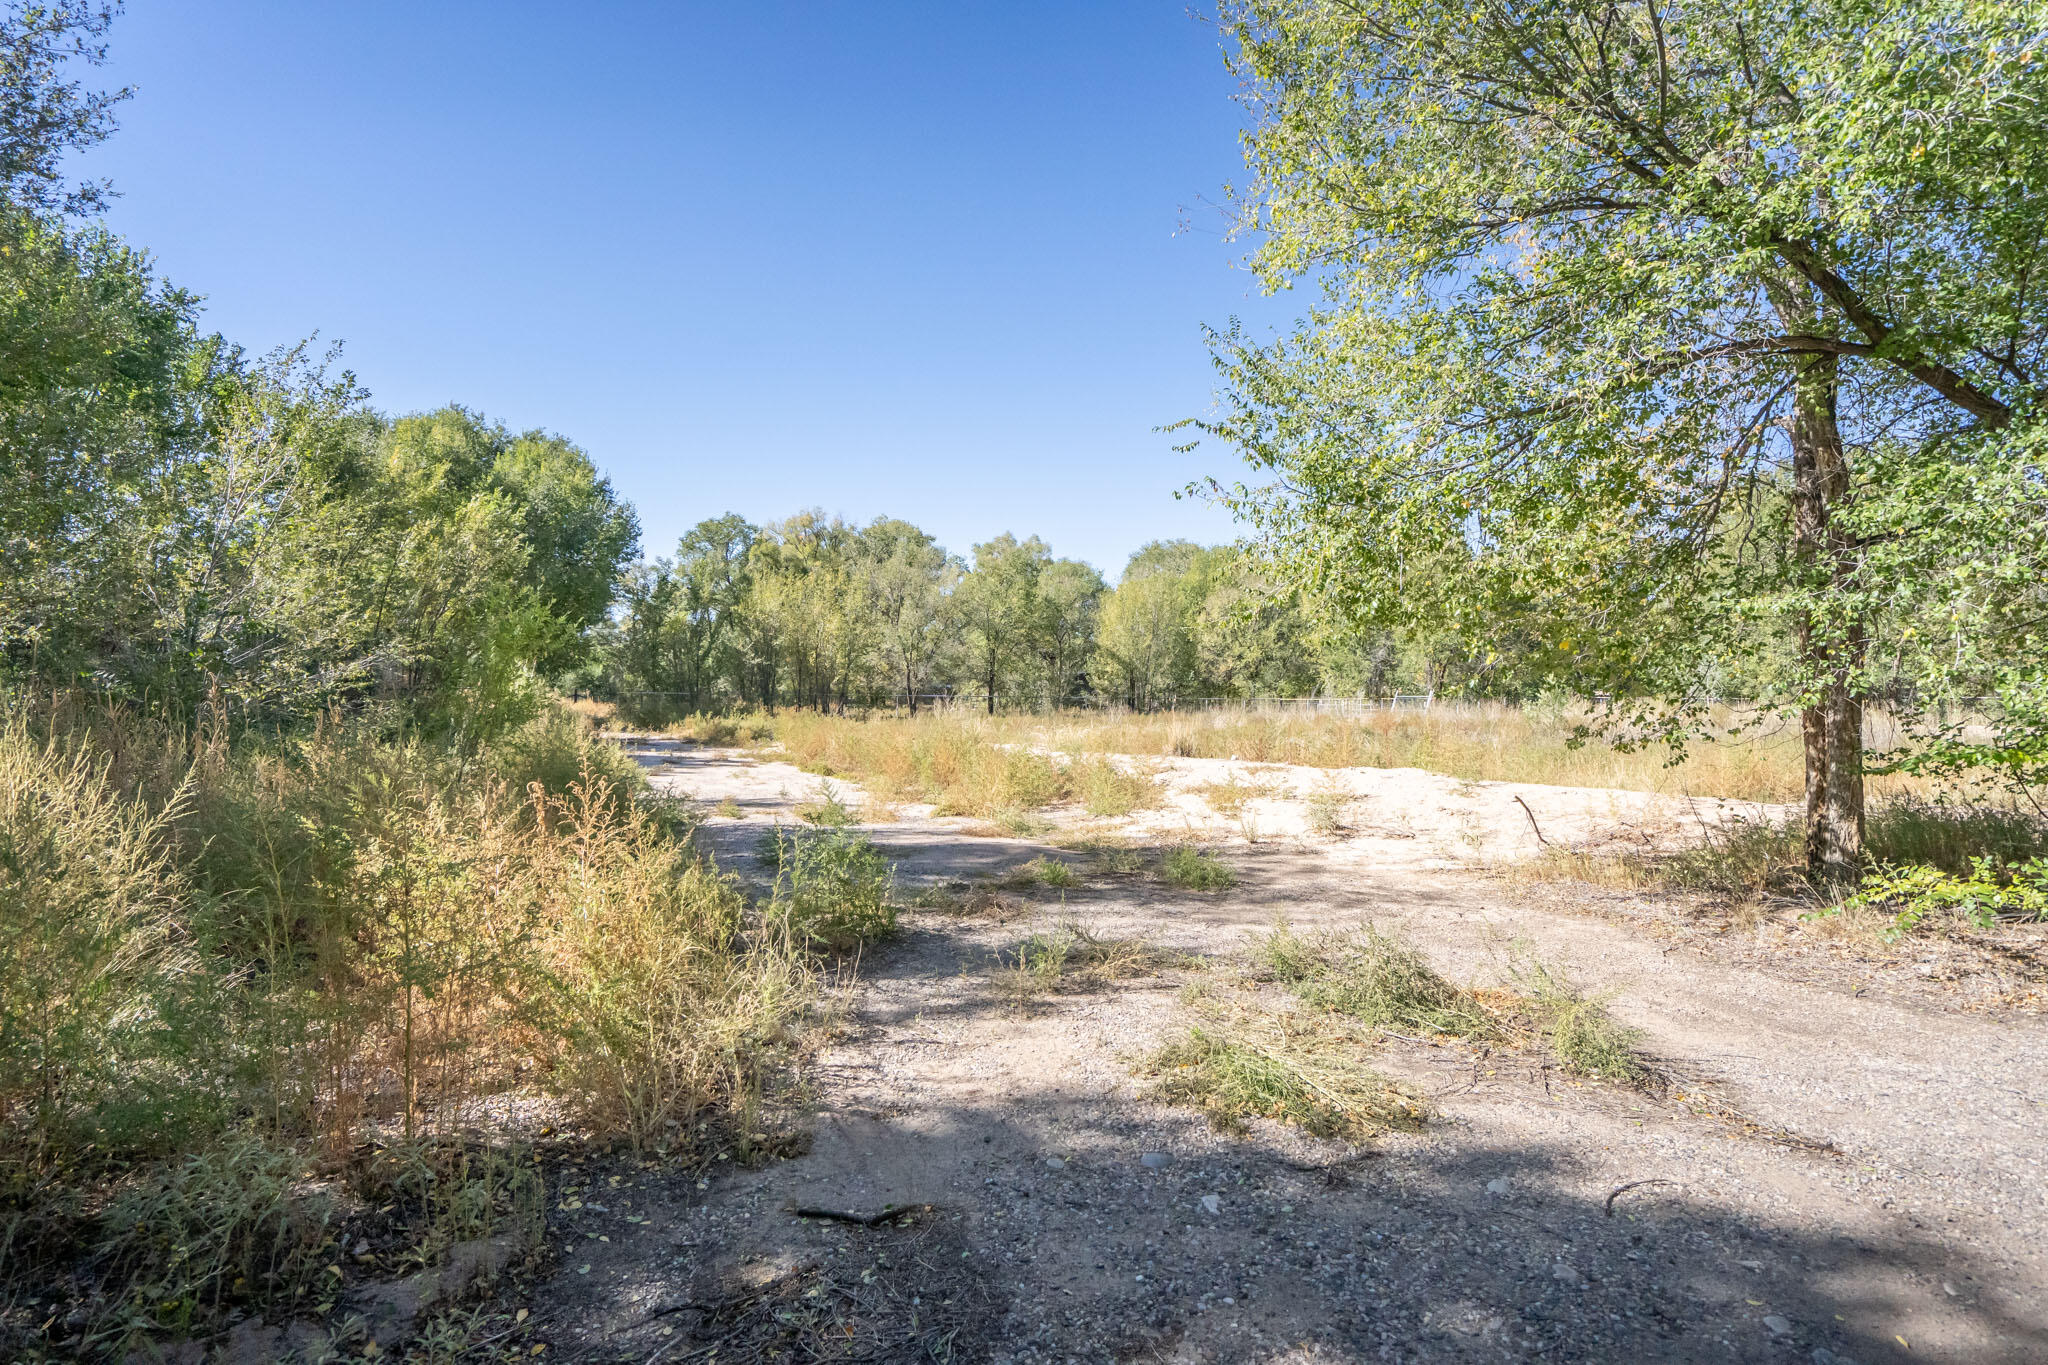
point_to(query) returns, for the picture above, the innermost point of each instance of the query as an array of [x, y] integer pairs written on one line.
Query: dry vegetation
[[252, 992]]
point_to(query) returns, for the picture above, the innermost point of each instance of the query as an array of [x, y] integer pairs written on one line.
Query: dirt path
[[1853, 1176]]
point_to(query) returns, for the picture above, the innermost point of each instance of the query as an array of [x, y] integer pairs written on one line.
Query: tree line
[[185, 524], [814, 611]]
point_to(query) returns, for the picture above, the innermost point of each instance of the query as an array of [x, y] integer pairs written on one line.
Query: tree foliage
[[1658, 323]]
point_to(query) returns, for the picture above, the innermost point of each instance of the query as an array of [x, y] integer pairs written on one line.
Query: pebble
[[1155, 1161], [1778, 1326], [1055, 1163], [1213, 1203], [1499, 1186]]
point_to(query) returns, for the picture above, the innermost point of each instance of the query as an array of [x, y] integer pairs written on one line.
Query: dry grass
[[1069, 957], [1301, 1070], [1385, 983], [224, 961], [963, 761]]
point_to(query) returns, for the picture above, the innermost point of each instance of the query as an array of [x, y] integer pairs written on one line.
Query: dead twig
[[1532, 821], [1619, 1190]]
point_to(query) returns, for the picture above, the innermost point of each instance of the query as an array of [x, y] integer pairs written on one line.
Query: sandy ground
[[1850, 1166]]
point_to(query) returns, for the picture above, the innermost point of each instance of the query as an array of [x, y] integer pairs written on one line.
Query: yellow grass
[[972, 764]]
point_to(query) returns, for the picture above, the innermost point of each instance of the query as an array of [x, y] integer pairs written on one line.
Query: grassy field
[[951, 756]]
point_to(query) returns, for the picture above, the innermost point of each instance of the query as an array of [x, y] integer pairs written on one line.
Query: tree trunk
[[1831, 633]]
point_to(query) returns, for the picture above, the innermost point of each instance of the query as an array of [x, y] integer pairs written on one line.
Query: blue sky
[[944, 261]]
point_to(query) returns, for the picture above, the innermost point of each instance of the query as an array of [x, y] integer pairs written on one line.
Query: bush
[[832, 890], [1197, 871], [92, 963], [1989, 893], [558, 748]]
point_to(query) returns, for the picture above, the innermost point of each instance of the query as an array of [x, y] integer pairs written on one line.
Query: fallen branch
[[1532, 821]]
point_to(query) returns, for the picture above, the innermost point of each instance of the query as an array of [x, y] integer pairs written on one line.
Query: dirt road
[[1844, 1171]]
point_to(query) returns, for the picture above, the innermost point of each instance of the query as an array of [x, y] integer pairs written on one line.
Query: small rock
[[1155, 1161], [1055, 1163], [1561, 1271], [1823, 1356], [1777, 1326], [1212, 1203], [1950, 1290], [1499, 1186], [362, 1246]]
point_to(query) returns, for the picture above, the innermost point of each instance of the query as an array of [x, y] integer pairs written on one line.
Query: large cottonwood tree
[[1676, 314]]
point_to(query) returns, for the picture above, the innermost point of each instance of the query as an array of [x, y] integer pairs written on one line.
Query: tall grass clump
[[226, 960], [1375, 978], [961, 765], [94, 963]]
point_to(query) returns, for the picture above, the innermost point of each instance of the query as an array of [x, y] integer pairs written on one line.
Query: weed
[[832, 890], [1068, 955], [1326, 807], [1109, 789], [1575, 1027], [826, 809], [1229, 797], [1375, 978], [1043, 871], [1195, 870], [730, 809], [1310, 1079], [1020, 824]]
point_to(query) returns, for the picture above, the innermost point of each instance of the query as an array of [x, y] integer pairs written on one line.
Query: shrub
[[832, 890], [1197, 871], [1990, 892], [91, 960], [557, 749]]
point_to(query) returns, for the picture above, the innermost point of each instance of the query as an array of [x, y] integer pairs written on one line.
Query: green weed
[[1195, 870]]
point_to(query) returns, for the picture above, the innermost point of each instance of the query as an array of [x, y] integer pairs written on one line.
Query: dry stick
[[1532, 821], [1620, 1190]]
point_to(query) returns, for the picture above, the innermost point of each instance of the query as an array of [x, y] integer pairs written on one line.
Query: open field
[[1120, 1116], [1474, 741]]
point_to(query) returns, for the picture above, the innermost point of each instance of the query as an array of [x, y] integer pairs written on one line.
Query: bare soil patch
[[1846, 1164]]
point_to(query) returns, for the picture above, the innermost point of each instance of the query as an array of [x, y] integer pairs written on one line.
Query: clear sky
[[939, 259]]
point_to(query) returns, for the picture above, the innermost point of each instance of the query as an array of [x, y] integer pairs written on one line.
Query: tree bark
[[1832, 636]]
